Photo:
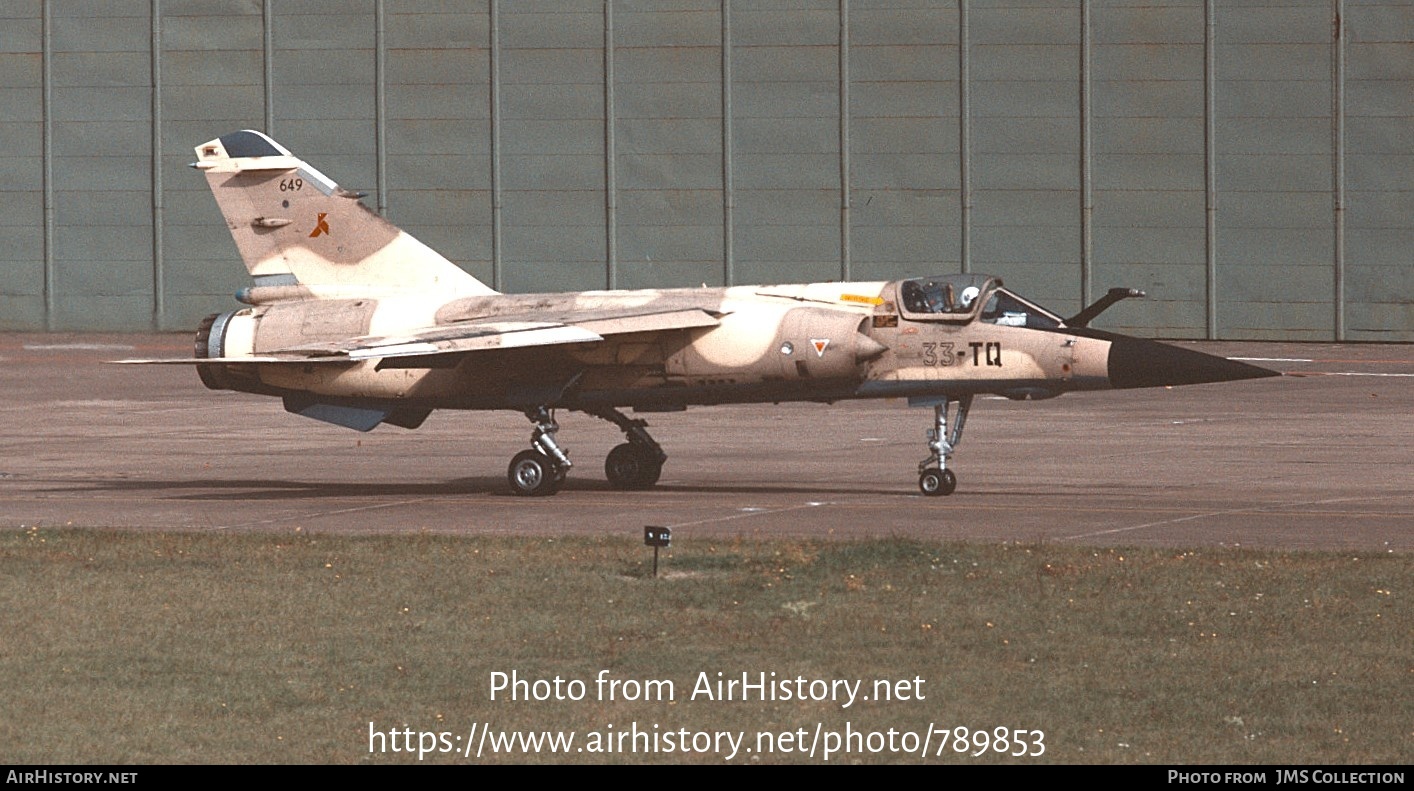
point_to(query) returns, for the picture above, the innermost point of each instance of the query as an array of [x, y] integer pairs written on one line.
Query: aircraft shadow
[[249, 489], [270, 490], [726, 488]]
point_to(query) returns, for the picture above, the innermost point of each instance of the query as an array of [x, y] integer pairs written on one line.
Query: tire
[[934, 482], [630, 466], [533, 474]]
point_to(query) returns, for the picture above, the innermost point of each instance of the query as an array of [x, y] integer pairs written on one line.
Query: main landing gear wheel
[[533, 474], [935, 482], [632, 466], [635, 464], [541, 470]]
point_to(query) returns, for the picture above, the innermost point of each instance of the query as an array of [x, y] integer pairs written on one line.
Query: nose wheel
[[935, 482], [934, 477]]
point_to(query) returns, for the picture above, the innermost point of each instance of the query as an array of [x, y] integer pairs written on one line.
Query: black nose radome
[[1135, 362]]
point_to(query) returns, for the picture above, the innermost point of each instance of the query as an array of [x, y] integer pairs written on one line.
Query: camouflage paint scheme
[[354, 322]]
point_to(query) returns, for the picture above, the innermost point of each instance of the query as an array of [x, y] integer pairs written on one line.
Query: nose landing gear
[[934, 478]]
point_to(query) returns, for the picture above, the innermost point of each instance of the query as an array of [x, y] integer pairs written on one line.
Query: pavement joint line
[[744, 514], [1250, 510], [1273, 359], [1350, 373], [322, 514], [83, 347]]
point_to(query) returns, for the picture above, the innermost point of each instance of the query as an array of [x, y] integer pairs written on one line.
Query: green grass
[[130, 647]]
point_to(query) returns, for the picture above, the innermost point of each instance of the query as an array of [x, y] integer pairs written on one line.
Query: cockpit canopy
[[964, 298], [951, 295]]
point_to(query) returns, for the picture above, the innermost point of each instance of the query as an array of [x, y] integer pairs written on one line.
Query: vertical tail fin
[[295, 226]]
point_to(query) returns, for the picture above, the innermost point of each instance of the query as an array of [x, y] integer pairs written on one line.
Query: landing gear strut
[[635, 464], [541, 470], [934, 478]]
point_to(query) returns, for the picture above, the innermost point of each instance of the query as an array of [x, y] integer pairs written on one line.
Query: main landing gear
[[934, 477], [540, 471], [636, 464]]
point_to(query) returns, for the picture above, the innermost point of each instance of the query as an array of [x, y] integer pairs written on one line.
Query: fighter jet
[[352, 321]]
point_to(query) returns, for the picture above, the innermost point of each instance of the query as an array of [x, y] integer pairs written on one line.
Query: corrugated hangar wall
[[1248, 164]]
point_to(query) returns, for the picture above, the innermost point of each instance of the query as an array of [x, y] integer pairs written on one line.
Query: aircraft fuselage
[[820, 342]]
